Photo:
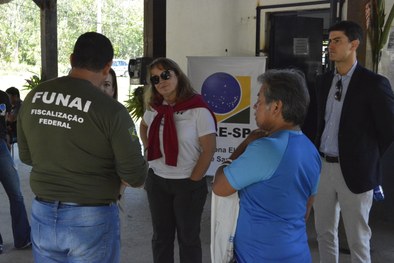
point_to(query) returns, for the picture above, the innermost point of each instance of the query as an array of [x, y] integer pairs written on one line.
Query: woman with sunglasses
[[178, 131]]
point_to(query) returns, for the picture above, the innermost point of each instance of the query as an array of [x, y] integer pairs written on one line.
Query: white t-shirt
[[190, 125]]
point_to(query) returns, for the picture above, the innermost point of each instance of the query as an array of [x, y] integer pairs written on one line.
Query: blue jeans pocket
[[75, 234]]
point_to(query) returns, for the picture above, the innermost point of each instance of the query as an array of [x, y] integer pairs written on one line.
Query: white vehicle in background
[[120, 66]]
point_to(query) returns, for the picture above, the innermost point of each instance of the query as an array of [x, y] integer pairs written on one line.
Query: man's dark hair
[[13, 91], [92, 51], [352, 30], [288, 86]]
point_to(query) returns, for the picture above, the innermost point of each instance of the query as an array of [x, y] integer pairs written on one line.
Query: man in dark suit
[[355, 126]]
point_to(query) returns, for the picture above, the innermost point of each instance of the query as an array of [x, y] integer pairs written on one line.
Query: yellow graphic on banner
[[244, 103]]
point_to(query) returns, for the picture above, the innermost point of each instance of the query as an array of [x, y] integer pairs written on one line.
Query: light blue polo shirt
[[275, 176]]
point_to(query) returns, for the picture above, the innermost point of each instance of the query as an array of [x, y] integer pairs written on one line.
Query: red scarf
[[170, 138]]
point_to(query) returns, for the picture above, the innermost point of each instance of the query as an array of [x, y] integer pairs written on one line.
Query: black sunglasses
[[338, 93], [165, 75]]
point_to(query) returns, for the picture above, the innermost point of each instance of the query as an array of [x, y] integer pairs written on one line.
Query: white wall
[[206, 28], [209, 27]]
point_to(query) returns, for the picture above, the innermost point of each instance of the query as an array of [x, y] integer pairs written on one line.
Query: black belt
[[70, 203], [329, 159]]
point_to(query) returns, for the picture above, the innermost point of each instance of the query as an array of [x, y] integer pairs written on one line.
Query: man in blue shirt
[[276, 173]]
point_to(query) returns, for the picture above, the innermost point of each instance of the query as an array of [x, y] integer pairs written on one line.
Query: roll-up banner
[[229, 86]]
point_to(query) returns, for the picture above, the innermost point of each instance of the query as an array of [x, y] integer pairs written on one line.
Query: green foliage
[[387, 27], [135, 103], [32, 82], [378, 30], [121, 22], [19, 32]]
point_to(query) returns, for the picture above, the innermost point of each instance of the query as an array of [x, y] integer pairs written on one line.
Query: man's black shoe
[[28, 245]]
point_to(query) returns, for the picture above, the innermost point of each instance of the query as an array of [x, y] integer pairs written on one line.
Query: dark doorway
[[297, 42]]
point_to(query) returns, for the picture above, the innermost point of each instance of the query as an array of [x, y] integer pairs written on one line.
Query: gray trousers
[[334, 197]]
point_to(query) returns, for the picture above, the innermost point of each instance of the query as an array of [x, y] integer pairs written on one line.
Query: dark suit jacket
[[366, 126]]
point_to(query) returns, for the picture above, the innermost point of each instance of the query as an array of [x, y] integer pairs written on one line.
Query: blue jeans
[[10, 180], [75, 234]]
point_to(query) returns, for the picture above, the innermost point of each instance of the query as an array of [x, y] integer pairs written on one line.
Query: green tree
[[19, 32], [124, 27], [122, 23]]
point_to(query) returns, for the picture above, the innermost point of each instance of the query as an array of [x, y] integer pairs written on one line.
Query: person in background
[[16, 103], [110, 86], [355, 126], [276, 172], [9, 178], [81, 143], [178, 131]]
